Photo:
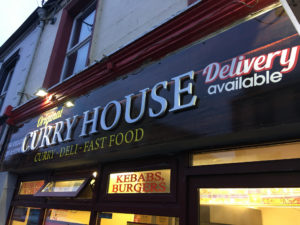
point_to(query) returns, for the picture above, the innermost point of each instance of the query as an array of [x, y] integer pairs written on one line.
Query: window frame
[[55, 67], [71, 49]]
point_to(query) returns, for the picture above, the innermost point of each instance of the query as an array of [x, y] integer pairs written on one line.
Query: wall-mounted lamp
[[69, 104], [41, 93]]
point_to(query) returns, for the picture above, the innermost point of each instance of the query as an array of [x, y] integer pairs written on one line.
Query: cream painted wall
[[26, 51], [119, 22], [41, 59]]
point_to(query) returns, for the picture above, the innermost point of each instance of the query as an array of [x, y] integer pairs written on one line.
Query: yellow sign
[[30, 187], [70, 216], [151, 182], [49, 116]]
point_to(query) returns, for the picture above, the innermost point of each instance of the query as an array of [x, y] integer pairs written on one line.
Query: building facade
[[167, 113]]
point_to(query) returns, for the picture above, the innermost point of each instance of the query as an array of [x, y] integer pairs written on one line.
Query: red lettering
[[129, 188], [141, 178], [150, 176], [127, 178], [153, 187], [162, 186], [137, 187], [119, 179], [133, 178], [147, 187], [158, 176], [115, 188]]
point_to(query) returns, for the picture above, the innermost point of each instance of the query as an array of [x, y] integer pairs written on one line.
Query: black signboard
[[238, 87]]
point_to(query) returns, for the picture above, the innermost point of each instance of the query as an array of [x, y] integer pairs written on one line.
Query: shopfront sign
[[146, 182], [239, 67], [241, 86], [62, 131]]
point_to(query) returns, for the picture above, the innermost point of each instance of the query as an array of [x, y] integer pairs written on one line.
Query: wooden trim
[[191, 25], [56, 62]]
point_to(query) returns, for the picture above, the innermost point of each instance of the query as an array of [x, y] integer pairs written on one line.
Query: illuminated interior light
[[69, 104], [41, 93], [95, 174]]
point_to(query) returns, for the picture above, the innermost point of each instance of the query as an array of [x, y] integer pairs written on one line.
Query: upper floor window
[[6, 73], [78, 48]]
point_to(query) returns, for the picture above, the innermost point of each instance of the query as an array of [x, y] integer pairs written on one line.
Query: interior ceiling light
[[95, 174], [41, 93]]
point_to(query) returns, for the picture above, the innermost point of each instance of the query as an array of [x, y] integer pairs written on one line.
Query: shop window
[[77, 53], [63, 217], [62, 188], [25, 216], [30, 187], [249, 206], [254, 154], [134, 219]]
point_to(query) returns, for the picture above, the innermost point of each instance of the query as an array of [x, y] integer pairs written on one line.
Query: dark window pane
[[26, 216]]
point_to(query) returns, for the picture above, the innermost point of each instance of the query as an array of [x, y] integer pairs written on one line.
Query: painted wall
[[7, 188], [41, 59], [26, 51], [119, 22]]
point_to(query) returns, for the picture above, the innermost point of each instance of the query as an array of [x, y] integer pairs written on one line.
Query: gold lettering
[[92, 145], [127, 140], [62, 152], [111, 139], [102, 140], [67, 150], [139, 131], [39, 157], [86, 146], [48, 117], [76, 148], [120, 139]]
